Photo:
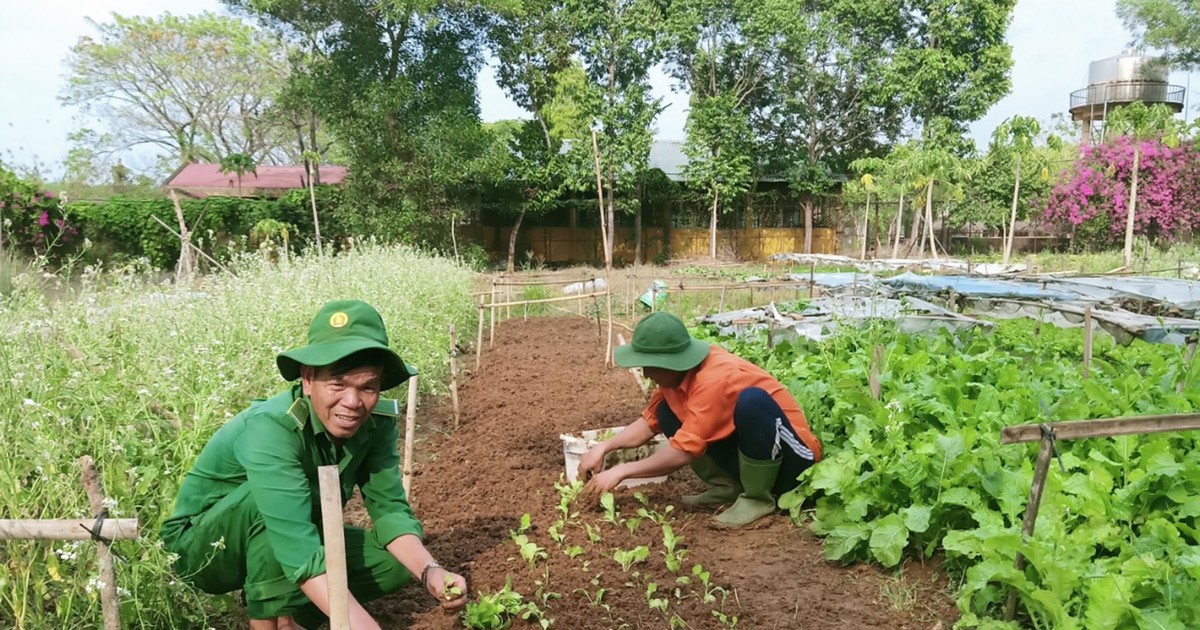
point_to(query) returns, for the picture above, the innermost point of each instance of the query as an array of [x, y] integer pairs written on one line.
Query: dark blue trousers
[[760, 430]]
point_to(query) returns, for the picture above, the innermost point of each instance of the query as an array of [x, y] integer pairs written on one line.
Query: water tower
[[1120, 80]]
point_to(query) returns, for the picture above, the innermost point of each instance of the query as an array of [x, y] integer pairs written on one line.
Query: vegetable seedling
[[450, 590]]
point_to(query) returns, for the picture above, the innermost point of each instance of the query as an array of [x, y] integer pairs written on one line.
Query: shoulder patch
[[387, 407], [298, 412]]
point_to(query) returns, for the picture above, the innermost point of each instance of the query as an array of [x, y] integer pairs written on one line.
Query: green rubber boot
[[725, 489], [755, 502]]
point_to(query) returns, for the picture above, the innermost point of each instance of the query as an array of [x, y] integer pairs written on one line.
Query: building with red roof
[[205, 180]]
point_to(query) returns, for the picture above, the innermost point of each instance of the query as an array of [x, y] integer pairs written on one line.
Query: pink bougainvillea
[[1091, 201]]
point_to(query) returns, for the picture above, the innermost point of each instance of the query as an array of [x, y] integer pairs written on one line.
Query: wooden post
[[186, 265], [492, 315], [479, 337], [1187, 364], [1031, 512], [636, 372], [1179, 268], [608, 349], [654, 298], [109, 603], [873, 377], [410, 436], [812, 274], [335, 547], [454, 375], [721, 307], [1087, 341], [68, 529]]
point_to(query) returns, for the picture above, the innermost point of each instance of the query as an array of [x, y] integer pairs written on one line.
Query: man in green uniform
[[247, 513]]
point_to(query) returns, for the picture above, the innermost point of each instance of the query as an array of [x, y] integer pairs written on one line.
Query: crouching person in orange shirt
[[738, 427]]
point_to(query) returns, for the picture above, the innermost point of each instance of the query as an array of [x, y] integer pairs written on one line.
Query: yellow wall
[[564, 244]]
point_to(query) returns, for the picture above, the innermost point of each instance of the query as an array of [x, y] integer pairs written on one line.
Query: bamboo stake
[[479, 338], [410, 436], [108, 575], [563, 298], [636, 372], [67, 529], [812, 282], [1187, 364], [492, 314], [721, 306], [454, 376], [873, 377], [608, 350], [1087, 341], [335, 548], [1031, 512], [1104, 427], [186, 265], [193, 246]]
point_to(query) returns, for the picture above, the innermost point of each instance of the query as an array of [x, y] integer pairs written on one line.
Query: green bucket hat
[[662, 341], [340, 329]]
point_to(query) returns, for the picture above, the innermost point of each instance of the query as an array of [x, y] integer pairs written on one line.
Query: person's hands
[[601, 483], [450, 589], [592, 461]]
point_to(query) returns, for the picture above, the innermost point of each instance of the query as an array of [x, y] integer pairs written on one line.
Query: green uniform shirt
[[275, 446]]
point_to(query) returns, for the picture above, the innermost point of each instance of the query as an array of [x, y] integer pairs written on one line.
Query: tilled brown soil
[[545, 377]]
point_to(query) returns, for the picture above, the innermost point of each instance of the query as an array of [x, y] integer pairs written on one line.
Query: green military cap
[[340, 329], [661, 340]]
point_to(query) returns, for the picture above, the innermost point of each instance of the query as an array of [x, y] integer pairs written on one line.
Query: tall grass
[[139, 374]]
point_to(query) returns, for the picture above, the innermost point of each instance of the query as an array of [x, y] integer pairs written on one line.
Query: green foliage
[[155, 372], [1165, 25], [923, 467]]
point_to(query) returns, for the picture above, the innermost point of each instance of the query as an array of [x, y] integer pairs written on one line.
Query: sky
[[1053, 42]]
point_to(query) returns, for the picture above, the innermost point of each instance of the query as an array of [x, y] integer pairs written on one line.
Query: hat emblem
[[338, 319]]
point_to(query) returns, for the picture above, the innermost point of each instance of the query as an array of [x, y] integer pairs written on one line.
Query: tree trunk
[[637, 229], [899, 226], [929, 221], [866, 222], [312, 195], [1137, 156], [712, 227], [1012, 219], [808, 226], [512, 240]]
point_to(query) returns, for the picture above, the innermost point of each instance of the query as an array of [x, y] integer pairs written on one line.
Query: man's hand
[[592, 461], [601, 483], [450, 589]]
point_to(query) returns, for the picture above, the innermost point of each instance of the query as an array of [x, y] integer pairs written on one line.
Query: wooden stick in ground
[[1187, 364], [109, 603], [1031, 512], [479, 338], [608, 350], [335, 548], [562, 298], [492, 313], [193, 246], [410, 436], [1087, 341], [67, 529], [873, 377], [636, 372], [186, 265], [454, 376]]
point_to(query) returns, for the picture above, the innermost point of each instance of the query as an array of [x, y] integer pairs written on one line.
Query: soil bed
[[545, 377]]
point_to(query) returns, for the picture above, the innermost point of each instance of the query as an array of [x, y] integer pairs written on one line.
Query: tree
[[535, 69], [617, 42], [1014, 140], [238, 164], [828, 100], [395, 83], [1172, 26], [1139, 122], [196, 87], [951, 61], [719, 52]]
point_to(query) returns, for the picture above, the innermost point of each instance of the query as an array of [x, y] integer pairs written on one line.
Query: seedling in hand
[[450, 590]]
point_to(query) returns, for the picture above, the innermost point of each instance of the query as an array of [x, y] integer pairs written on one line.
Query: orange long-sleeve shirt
[[704, 402]]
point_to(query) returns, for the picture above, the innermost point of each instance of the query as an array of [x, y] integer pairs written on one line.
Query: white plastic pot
[[574, 446]]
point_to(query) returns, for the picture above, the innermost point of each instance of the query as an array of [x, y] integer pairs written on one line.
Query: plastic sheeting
[[895, 264], [824, 316]]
